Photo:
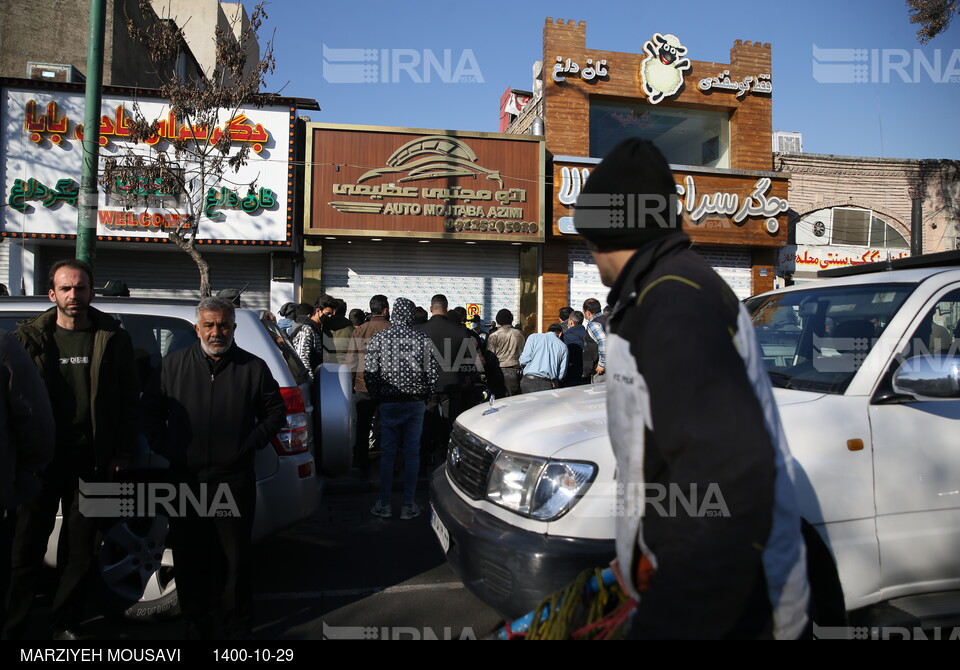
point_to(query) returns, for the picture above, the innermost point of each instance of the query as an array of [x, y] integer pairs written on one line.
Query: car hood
[[541, 424], [792, 396]]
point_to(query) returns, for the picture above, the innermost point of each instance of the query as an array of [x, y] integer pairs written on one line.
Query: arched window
[[849, 226]]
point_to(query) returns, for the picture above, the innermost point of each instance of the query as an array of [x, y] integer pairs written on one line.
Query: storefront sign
[[726, 204], [224, 198], [662, 71], [112, 219], [66, 191], [51, 125], [591, 71], [42, 163], [811, 258], [762, 83], [431, 183]]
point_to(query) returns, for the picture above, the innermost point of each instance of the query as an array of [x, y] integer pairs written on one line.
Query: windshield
[[816, 339]]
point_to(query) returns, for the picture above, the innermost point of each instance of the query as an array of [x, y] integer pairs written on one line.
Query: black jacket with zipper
[[216, 413]]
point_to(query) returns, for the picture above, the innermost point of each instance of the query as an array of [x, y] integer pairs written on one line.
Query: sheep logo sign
[[662, 70]]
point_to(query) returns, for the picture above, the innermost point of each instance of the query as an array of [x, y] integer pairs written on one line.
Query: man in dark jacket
[[575, 337], [26, 443], [356, 355], [87, 363], [212, 408], [457, 352], [691, 414]]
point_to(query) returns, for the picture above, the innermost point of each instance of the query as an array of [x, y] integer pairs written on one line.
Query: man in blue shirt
[[544, 360]]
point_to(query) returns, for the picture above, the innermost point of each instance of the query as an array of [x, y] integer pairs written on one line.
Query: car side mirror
[[929, 377]]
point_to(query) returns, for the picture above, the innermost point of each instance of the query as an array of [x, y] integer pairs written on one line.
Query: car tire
[[136, 569]]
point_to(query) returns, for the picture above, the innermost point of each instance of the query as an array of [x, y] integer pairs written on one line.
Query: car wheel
[[136, 568]]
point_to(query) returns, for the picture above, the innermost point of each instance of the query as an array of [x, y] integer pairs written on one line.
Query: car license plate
[[440, 530]]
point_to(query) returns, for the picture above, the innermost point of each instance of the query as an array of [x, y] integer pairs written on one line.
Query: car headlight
[[539, 488]]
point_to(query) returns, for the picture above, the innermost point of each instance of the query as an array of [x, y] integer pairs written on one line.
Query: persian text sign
[[744, 202], [811, 258], [40, 142], [393, 182]]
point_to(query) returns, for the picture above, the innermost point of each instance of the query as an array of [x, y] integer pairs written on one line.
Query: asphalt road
[[343, 573], [363, 577]]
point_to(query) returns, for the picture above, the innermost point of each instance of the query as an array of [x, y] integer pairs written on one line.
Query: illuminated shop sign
[[51, 125], [566, 66], [662, 71], [66, 191], [762, 83], [42, 163], [697, 206]]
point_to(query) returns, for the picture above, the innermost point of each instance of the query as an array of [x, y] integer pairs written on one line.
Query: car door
[[916, 449]]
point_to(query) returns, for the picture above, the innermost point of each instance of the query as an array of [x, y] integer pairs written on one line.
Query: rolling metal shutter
[[5, 267], [487, 275], [584, 277], [734, 265], [152, 273]]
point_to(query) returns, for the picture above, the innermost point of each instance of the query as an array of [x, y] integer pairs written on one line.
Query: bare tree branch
[[184, 168], [934, 16]]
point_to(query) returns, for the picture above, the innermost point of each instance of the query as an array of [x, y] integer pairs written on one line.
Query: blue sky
[[498, 41]]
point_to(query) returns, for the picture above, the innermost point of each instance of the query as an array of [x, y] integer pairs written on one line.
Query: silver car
[[135, 560]]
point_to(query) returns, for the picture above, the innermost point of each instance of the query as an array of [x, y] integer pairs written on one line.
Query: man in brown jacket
[[356, 354]]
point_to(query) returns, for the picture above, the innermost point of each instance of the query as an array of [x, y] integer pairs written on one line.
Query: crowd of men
[[70, 416], [691, 576], [468, 360]]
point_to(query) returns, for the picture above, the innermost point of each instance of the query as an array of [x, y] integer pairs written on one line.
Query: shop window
[[882, 234], [849, 226], [685, 136]]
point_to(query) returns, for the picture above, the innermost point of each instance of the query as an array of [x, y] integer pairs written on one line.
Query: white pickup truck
[[866, 373]]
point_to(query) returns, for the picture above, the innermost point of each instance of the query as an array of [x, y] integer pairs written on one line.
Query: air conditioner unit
[[787, 143], [54, 72]]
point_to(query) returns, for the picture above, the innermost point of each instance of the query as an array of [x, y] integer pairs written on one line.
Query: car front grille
[[469, 459]]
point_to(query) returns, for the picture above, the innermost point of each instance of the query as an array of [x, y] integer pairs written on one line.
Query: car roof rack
[[941, 259]]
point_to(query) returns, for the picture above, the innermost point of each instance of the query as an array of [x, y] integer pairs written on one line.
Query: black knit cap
[[629, 199]]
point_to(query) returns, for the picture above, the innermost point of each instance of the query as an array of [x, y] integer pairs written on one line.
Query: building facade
[[413, 212], [847, 210], [246, 225], [713, 122], [56, 49]]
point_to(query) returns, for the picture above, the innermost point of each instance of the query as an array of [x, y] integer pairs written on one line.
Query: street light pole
[[87, 212]]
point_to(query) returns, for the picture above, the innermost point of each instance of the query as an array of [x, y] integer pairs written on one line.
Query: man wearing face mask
[[215, 405]]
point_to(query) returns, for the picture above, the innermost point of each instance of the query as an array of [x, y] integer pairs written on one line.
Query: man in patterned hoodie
[[401, 372]]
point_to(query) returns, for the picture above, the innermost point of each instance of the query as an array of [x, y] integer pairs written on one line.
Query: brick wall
[[881, 184]]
